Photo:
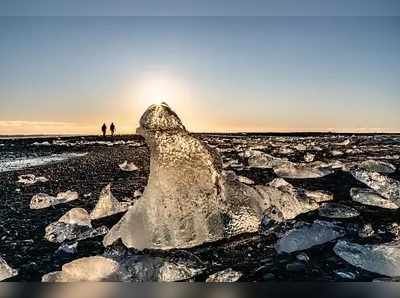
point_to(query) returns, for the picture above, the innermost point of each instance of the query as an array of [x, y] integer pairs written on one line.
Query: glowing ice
[[95, 268], [189, 200], [108, 205], [6, 271]]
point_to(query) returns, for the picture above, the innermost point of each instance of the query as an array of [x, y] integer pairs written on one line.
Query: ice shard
[[73, 225], [381, 258], [227, 275], [95, 268], [378, 166], [301, 171], [335, 210], [387, 187], [128, 167], [305, 235], [107, 204], [259, 159], [367, 196], [6, 271]]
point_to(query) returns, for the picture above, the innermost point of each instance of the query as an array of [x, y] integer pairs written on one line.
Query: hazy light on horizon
[[69, 75]]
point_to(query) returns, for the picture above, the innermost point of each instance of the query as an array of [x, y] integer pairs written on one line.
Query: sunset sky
[[68, 75]]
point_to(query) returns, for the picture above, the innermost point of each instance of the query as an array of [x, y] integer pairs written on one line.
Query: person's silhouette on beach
[[112, 128], [104, 129]]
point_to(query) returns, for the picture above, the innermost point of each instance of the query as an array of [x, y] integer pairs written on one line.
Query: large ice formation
[[189, 199]]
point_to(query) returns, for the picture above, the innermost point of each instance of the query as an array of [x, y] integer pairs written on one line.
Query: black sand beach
[[24, 248]]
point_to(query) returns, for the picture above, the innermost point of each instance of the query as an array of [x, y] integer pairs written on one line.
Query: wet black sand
[[21, 229]]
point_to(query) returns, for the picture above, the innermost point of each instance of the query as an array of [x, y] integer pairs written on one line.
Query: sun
[[155, 88]]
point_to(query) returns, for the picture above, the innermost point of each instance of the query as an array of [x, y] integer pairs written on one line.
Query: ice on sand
[[6, 271], [301, 171], [42, 200], [335, 210], [381, 258], [189, 199], [73, 225], [95, 268], [108, 205], [378, 166], [31, 179], [128, 167], [227, 275], [387, 187], [367, 196], [305, 235]]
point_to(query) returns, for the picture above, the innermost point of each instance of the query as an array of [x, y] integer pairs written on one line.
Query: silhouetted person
[[112, 128], [104, 129]]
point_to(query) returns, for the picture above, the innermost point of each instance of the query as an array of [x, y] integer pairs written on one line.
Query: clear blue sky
[[69, 74]]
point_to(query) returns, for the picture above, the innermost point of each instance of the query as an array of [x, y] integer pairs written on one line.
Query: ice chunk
[[42, 200], [309, 157], [367, 196], [335, 210], [387, 187], [336, 153], [74, 225], [95, 268], [259, 159], [245, 180], [31, 179], [227, 275], [366, 231], [76, 216], [306, 235], [188, 200], [378, 166], [66, 248], [108, 205], [6, 271], [344, 143], [301, 171], [128, 167], [381, 258]]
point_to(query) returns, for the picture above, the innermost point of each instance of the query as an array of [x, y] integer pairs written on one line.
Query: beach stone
[[108, 205], [30, 179]]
